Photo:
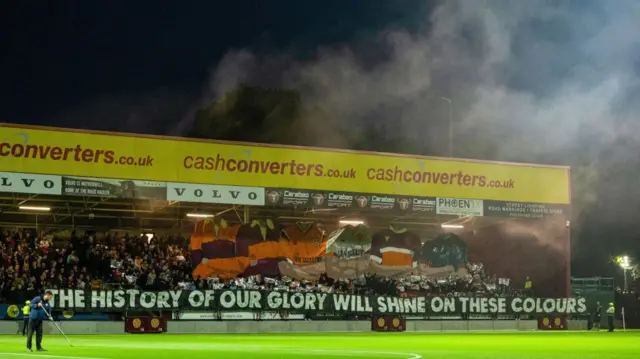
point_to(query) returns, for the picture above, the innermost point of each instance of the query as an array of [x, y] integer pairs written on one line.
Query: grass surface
[[547, 345]]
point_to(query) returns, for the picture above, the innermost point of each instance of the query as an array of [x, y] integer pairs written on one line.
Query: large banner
[[113, 188], [237, 300], [129, 189], [402, 205], [137, 157]]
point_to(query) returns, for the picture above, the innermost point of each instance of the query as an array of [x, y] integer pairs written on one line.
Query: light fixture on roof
[[451, 226], [625, 263], [34, 208], [199, 215], [351, 222]]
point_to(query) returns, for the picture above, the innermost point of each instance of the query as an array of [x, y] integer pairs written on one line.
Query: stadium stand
[[34, 261]]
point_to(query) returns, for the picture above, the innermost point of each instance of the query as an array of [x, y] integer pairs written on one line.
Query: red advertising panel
[[552, 323], [388, 323], [145, 325]]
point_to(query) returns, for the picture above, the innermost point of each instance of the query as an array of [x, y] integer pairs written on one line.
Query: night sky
[[64, 54], [534, 87]]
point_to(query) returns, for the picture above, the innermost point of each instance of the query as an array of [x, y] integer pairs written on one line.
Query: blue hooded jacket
[[37, 313]]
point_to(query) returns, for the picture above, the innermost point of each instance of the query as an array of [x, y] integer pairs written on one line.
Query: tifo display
[[221, 300], [305, 251]]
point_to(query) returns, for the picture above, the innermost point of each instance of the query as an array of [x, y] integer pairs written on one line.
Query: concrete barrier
[[471, 326], [69, 327], [205, 327], [10, 327], [187, 327], [455, 326], [527, 324], [481, 325], [577, 325]]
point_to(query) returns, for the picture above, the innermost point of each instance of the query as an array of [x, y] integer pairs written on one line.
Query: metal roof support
[[245, 215], [86, 206], [27, 200], [232, 208]]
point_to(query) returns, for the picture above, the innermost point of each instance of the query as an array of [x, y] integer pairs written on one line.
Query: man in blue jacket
[[40, 311]]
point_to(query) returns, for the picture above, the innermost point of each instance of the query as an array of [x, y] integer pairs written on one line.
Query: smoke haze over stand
[[533, 81], [530, 79]]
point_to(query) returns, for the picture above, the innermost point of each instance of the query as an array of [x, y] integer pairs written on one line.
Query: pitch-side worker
[[611, 312], [40, 310], [25, 317]]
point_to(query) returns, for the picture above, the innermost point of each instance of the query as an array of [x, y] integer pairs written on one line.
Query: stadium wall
[[582, 325], [204, 327], [71, 328]]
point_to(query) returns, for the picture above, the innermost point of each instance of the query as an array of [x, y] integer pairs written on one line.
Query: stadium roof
[[91, 213], [159, 214]]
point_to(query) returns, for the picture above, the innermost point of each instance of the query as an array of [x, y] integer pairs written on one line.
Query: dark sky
[[65, 62], [63, 54]]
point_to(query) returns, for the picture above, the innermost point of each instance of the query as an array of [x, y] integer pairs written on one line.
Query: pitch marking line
[[45, 356], [293, 351], [230, 348], [348, 352]]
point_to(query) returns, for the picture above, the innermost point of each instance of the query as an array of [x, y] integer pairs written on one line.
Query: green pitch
[[547, 345]]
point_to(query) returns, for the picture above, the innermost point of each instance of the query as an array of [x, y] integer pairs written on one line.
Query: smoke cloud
[[531, 81], [532, 78]]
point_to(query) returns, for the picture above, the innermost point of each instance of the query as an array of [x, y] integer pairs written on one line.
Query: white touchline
[[348, 352], [234, 348], [362, 352], [45, 356]]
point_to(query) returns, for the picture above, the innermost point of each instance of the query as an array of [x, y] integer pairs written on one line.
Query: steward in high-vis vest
[[25, 317], [528, 287], [611, 312]]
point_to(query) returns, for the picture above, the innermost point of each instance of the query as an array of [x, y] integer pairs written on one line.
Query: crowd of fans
[[34, 261], [475, 282]]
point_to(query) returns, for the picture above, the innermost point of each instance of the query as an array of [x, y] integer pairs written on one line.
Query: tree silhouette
[[252, 114]]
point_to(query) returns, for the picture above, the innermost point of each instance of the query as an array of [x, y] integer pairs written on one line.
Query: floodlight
[[351, 222], [451, 226], [199, 215], [34, 208]]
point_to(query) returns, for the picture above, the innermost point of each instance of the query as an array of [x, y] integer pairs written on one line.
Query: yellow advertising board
[[110, 155]]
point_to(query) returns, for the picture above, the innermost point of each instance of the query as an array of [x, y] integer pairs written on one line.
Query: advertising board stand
[[388, 323], [145, 325]]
